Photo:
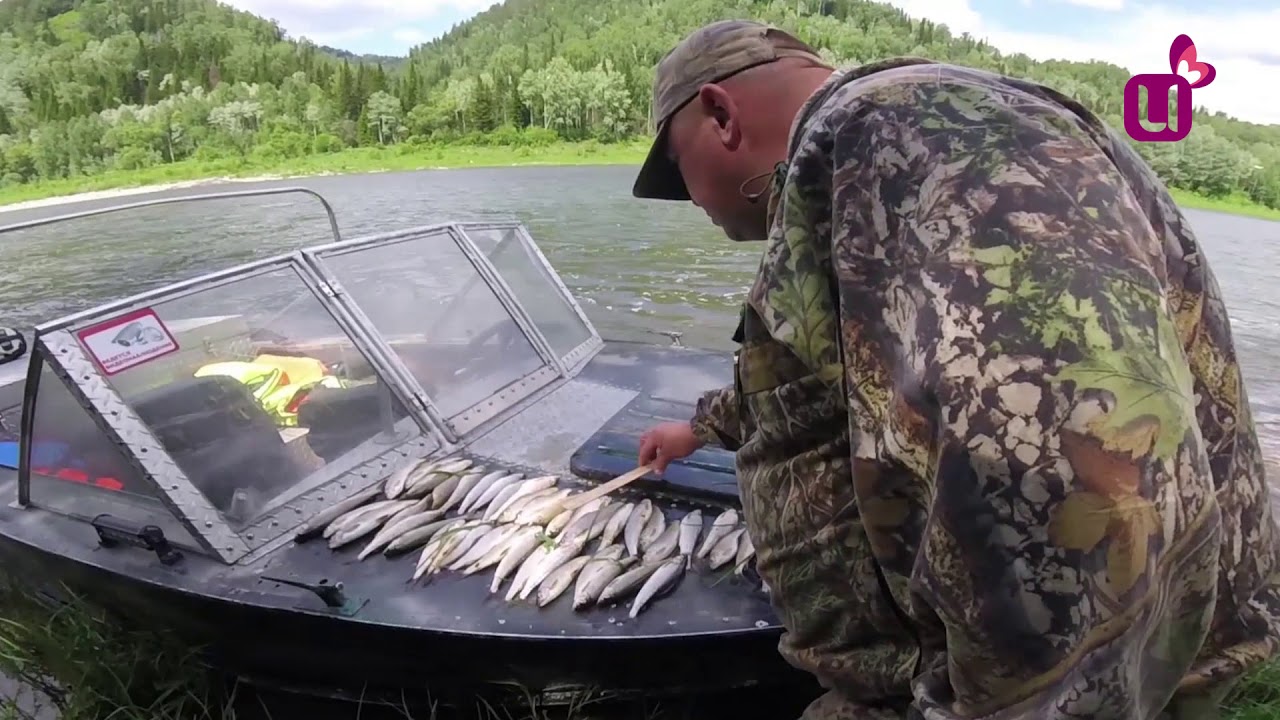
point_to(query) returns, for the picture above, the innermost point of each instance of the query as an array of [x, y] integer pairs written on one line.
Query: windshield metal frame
[[571, 362], [462, 426], [55, 342]]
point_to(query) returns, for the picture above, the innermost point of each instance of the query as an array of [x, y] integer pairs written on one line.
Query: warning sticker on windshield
[[128, 341]]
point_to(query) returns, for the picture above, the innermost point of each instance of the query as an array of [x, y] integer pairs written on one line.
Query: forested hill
[[93, 85]]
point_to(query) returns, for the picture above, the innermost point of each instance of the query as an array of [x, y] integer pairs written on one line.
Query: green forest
[[94, 86]]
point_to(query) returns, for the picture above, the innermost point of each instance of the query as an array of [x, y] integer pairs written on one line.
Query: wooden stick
[[578, 501]]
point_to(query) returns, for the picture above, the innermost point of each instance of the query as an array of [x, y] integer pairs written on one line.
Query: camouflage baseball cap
[[709, 54]]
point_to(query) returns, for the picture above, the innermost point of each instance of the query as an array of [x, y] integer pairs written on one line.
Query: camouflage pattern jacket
[[993, 443]]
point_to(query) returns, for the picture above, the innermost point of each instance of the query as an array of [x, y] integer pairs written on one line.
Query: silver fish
[[441, 545], [491, 492], [725, 550], [603, 567], [559, 522], [478, 489], [584, 526], [352, 532], [635, 524], [395, 483], [460, 548], [721, 526], [499, 500], [519, 546], [516, 504], [395, 528], [358, 514], [690, 529], [567, 550], [443, 491], [522, 490], [529, 566], [662, 580], [453, 468], [383, 509], [418, 536], [663, 545], [559, 580], [467, 482], [323, 518], [655, 527], [746, 549], [590, 507], [437, 464], [567, 517], [541, 511], [482, 546], [603, 514], [613, 526], [627, 582], [424, 484], [366, 524], [497, 549], [420, 506]]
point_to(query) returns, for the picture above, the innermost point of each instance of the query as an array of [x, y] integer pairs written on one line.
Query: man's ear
[[718, 106]]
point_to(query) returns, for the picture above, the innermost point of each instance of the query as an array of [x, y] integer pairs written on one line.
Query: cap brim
[[659, 178]]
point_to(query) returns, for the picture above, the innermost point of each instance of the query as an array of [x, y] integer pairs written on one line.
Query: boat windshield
[[227, 409], [247, 383], [472, 313], [527, 273]]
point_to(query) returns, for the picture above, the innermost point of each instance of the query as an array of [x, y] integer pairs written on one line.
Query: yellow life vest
[[279, 383], [261, 380]]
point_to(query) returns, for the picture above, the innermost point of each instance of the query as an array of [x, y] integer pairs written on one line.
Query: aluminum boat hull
[[447, 636]]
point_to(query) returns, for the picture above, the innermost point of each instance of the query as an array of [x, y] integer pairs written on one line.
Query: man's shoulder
[[899, 80]]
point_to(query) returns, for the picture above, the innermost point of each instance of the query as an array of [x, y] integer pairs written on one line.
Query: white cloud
[[1238, 43], [1098, 4], [414, 10], [385, 24], [410, 36]]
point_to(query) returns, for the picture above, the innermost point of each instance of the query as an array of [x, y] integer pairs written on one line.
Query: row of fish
[[468, 518]]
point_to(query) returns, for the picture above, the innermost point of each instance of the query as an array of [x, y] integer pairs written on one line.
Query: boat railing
[[226, 409]]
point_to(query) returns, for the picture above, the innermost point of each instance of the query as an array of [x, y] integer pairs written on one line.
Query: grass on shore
[[1232, 205], [82, 666], [424, 157], [356, 160]]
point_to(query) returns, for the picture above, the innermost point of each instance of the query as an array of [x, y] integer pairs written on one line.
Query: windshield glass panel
[[252, 387], [512, 254], [439, 316], [77, 470]]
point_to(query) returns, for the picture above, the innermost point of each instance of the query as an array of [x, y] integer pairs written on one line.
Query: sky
[[1237, 37]]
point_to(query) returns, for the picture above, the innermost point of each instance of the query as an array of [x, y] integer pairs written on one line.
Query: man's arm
[[715, 420], [997, 277]]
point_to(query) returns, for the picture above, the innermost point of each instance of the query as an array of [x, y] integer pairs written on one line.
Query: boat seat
[[220, 437], [338, 419]]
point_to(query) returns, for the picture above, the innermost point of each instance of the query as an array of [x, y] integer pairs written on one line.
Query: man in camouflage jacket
[[992, 439]]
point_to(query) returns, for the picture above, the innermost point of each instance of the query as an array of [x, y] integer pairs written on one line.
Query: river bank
[[193, 173]]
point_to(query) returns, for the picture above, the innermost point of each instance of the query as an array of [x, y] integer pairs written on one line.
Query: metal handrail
[[38, 222]]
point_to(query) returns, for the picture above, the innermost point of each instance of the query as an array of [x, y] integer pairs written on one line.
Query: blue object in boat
[[46, 453]]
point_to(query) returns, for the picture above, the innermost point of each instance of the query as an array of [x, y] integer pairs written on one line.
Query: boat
[[161, 472]]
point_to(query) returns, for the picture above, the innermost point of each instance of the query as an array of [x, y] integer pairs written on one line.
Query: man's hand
[[665, 442]]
